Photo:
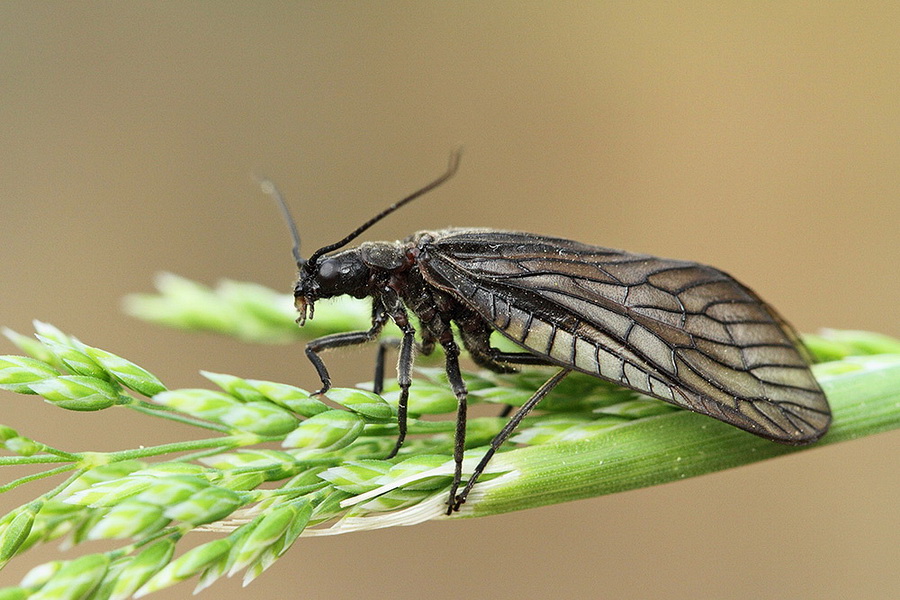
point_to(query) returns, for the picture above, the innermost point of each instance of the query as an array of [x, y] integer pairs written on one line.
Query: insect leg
[[476, 337], [519, 358], [379, 317], [515, 358], [504, 434], [425, 348], [383, 345], [393, 307], [404, 380], [451, 352]]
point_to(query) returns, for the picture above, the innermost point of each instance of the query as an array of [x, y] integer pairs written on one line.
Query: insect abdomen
[[604, 358]]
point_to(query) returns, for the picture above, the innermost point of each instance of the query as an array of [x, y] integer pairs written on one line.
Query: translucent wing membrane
[[686, 333]]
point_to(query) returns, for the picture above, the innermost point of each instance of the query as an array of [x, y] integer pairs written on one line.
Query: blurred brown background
[[761, 138]]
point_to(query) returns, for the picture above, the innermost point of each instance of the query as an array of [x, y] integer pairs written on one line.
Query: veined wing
[[686, 333]]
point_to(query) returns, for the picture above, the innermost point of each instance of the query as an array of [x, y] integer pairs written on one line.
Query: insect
[[679, 331]]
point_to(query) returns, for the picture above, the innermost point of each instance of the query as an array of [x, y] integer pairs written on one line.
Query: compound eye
[[329, 271]]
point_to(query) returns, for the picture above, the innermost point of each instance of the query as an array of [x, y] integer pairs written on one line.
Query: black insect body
[[683, 332]]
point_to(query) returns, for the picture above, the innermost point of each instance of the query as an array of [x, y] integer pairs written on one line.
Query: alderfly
[[679, 331]]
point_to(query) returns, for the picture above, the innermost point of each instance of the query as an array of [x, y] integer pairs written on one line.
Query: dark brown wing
[[686, 333]]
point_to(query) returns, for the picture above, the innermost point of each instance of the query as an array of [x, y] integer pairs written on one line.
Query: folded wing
[[686, 333]]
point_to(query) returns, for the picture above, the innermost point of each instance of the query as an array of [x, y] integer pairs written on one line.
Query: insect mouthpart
[[302, 303]]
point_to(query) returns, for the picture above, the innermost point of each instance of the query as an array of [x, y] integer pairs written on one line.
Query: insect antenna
[[269, 189], [451, 170]]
